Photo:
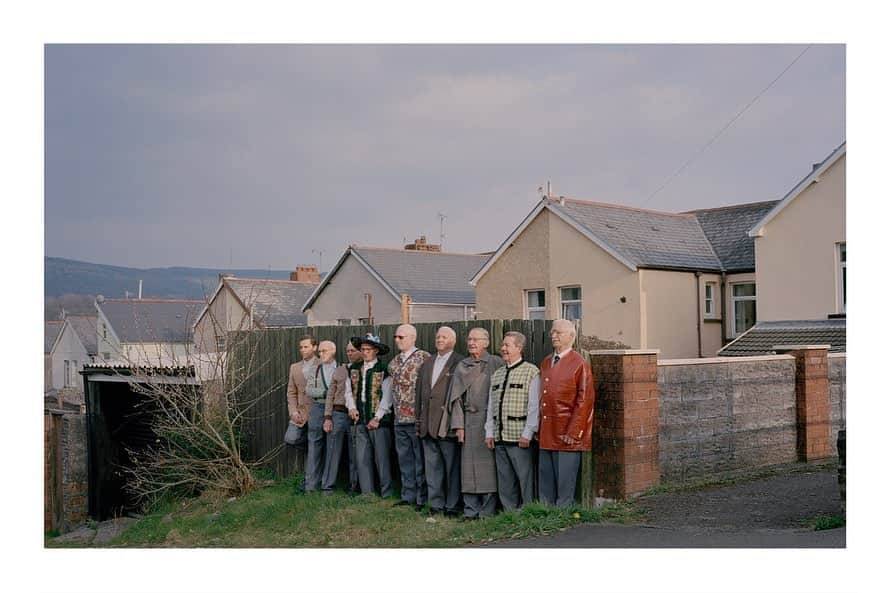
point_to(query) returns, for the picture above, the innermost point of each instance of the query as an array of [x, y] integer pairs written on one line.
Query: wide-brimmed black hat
[[382, 349]]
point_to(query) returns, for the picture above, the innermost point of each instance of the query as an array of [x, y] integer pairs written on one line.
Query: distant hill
[[71, 277]]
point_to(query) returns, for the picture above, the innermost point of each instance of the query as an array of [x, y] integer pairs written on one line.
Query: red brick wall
[[813, 405], [625, 423]]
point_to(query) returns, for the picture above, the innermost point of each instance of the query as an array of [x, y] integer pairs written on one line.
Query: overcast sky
[[200, 155]]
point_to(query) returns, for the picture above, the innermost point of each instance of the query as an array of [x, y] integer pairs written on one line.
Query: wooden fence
[[262, 359]]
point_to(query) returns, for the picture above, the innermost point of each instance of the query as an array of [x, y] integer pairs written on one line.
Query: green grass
[[276, 517], [823, 522]]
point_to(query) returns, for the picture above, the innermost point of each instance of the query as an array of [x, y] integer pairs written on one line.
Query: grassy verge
[[823, 522], [276, 517]]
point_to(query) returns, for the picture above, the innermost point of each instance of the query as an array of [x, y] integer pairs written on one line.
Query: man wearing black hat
[[372, 387]]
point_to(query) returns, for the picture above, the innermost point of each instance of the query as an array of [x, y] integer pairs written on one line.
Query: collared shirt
[[385, 404], [405, 355], [534, 402], [309, 367], [439, 365], [563, 354]]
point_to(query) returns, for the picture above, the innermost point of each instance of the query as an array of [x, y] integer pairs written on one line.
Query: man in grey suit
[[440, 448]]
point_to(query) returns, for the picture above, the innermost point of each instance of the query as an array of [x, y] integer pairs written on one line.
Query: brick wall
[[722, 414], [65, 470]]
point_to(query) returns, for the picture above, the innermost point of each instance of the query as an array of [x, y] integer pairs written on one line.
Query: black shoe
[[419, 507], [450, 513], [465, 518], [402, 503], [438, 512]]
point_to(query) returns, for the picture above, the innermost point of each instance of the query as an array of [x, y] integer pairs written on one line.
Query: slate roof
[[85, 328], [727, 231], [276, 303], [764, 336], [426, 276], [51, 330], [151, 320], [645, 237]]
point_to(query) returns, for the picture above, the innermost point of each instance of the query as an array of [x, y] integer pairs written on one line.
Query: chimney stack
[[421, 245], [306, 274]]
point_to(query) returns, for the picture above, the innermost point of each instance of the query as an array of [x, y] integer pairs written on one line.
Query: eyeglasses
[[401, 337]]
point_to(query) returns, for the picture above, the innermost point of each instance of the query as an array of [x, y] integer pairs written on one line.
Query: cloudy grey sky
[[188, 155]]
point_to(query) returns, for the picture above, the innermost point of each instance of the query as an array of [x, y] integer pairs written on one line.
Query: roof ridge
[[413, 251], [731, 206], [55, 320], [280, 280], [153, 300], [621, 206]]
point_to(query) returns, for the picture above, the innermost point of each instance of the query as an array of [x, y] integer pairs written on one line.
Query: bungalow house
[[248, 303], [683, 283], [51, 331], [75, 345], [145, 332], [374, 285], [800, 249]]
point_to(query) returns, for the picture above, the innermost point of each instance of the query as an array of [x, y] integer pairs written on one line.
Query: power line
[[724, 128]]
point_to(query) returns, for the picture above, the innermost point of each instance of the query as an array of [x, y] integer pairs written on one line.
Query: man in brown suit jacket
[[298, 402], [567, 398], [441, 451]]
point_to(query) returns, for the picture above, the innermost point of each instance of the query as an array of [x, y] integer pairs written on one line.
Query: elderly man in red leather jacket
[[566, 417]]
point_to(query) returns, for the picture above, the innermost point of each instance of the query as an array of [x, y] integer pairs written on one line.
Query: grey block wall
[[722, 416], [837, 388]]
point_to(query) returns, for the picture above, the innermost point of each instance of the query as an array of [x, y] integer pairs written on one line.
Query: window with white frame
[[221, 343], [535, 305], [67, 377], [344, 322], [570, 302], [744, 307], [842, 275], [710, 311]]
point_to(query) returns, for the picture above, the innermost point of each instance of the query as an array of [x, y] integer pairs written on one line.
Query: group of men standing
[[468, 431]]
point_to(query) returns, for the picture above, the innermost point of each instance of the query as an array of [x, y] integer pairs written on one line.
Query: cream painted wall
[[523, 266], [670, 313], [157, 353], [343, 297], [710, 339], [797, 267], [68, 347], [575, 260], [433, 313], [226, 314]]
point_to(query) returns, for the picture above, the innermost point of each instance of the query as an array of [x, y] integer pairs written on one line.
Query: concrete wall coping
[[614, 352], [723, 359], [837, 355], [786, 347]]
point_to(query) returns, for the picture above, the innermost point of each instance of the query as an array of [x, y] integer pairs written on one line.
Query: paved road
[[766, 513]]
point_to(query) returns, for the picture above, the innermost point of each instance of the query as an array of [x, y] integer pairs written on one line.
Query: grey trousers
[[337, 440], [410, 454], [372, 449], [315, 454], [442, 467], [516, 475], [480, 505], [557, 476]]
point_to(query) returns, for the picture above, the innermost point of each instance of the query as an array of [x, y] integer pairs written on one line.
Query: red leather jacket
[[566, 403]]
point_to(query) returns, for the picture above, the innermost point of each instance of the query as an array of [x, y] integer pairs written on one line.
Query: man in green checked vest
[[512, 422]]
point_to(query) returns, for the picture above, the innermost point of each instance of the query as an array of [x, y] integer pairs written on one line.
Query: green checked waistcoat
[[509, 390], [371, 386]]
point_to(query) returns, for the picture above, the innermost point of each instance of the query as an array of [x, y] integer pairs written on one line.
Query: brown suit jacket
[[431, 399], [567, 399], [297, 398]]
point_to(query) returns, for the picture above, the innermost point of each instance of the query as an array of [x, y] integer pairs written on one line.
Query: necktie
[[555, 359]]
